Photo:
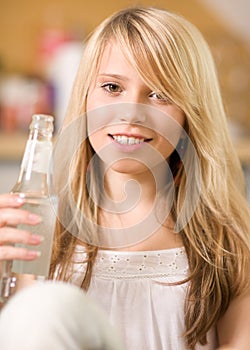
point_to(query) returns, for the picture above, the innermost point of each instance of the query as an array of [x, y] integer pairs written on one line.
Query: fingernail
[[33, 253], [17, 199], [36, 238], [35, 218]]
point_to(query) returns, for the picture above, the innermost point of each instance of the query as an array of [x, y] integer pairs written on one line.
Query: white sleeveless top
[[133, 290]]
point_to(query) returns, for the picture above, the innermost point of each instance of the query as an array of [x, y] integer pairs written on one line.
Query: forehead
[[113, 58]]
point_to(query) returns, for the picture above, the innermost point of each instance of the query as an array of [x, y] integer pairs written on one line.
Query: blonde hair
[[171, 56]]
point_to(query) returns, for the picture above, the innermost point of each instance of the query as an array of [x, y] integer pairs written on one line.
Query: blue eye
[[111, 87]]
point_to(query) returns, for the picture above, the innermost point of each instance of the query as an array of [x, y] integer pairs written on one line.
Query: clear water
[[46, 208]]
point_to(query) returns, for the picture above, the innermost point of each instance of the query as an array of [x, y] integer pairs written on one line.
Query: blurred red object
[[20, 97]]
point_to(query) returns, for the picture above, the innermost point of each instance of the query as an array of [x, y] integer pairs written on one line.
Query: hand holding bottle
[[12, 215]]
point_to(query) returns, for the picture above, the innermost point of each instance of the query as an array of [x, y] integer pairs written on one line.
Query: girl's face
[[125, 116]]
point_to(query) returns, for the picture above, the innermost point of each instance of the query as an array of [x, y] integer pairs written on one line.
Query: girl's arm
[[234, 327]]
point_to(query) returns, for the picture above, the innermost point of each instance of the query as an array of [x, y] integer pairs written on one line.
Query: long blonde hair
[[171, 56]]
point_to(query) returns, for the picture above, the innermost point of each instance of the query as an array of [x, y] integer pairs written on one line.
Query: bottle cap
[[43, 123]]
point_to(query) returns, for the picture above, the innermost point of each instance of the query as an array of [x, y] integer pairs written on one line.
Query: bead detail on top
[[137, 265]]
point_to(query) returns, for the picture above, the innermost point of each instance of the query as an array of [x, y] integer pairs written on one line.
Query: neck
[[142, 187], [133, 205]]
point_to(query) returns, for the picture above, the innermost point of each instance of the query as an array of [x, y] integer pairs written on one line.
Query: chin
[[130, 167]]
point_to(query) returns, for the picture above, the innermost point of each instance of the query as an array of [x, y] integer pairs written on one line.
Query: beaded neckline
[[140, 264]]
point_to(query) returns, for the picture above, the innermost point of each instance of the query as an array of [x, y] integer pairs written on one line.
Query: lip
[[137, 136]]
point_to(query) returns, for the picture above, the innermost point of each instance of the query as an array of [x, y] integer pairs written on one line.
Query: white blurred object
[[61, 73], [235, 15]]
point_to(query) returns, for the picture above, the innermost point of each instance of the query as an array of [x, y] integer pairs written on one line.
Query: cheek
[[96, 140], [96, 99], [91, 102], [171, 127], [165, 148], [170, 131]]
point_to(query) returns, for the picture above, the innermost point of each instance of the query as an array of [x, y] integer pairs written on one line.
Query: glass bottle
[[34, 184]]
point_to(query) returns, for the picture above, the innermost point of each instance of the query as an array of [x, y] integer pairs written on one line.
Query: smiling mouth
[[129, 140]]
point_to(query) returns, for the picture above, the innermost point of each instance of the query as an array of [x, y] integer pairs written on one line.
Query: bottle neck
[[34, 177]]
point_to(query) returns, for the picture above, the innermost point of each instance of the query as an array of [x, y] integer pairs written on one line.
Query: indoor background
[[40, 47]]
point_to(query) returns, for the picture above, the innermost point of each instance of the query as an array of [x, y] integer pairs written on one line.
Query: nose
[[132, 112], [116, 113]]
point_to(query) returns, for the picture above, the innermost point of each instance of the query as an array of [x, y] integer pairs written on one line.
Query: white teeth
[[124, 140]]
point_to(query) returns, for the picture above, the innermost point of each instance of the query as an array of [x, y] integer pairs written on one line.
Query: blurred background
[[40, 48]]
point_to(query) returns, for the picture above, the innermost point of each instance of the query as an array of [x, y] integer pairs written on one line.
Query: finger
[[17, 253], [12, 235], [10, 200], [13, 217]]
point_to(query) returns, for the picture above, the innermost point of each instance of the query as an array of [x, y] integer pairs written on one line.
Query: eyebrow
[[112, 75]]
